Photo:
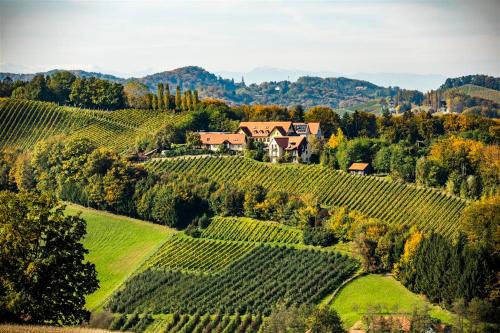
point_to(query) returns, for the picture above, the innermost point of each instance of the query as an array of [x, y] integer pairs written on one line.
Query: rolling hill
[[480, 92], [392, 202], [306, 90], [207, 281], [25, 122]]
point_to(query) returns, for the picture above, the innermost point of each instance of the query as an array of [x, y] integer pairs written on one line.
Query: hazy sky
[[131, 38]]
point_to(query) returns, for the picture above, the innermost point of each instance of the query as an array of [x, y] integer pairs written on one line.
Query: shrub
[[318, 236]]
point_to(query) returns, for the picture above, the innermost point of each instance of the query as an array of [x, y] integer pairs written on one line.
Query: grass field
[[117, 246], [353, 300]]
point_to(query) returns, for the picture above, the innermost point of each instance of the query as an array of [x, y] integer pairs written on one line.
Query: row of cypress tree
[[180, 101]]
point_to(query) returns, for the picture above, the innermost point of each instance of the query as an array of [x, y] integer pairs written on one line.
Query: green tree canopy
[[60, 86], [329, 119], [43, 274]]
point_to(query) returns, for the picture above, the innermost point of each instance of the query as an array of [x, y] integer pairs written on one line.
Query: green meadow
[[117, 246], [373, 289]]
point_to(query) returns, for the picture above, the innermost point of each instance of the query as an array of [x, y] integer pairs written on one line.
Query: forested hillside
[[76, 72], [308, 91], [478, 80]]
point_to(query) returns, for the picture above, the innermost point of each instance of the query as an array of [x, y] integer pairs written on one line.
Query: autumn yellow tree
[[411, 246], [336, 139]]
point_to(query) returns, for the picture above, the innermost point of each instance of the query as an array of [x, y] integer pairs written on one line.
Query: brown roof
[[358, 167], [313, 128], [264, 128], [289, 142], [208, 138]]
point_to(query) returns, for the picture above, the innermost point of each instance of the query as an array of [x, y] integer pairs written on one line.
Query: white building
[[297, 148]]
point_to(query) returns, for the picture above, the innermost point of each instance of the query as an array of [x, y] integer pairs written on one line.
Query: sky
[[134, 38]]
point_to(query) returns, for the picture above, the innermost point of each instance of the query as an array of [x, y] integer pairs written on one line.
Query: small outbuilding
[[360, 169]]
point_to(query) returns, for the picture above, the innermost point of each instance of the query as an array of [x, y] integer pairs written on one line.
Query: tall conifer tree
[[178, 99], [183, 101], [196, 100], [155, 102], [167, 97], [160, 96], [189, 100]]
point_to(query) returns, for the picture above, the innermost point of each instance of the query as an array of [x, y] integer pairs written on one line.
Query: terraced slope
[[251, 230], [392, 202], [24, 122], [197, 255]]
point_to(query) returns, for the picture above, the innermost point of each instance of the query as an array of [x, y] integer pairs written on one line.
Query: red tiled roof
[[208, 138], [358, 167], [313, 128]]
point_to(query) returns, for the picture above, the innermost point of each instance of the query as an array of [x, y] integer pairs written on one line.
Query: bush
[[318, 236], [193, 231]]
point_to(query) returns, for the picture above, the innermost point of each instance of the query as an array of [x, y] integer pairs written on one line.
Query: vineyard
[[197, 255], [251, 230], [480, 92], [23, 123], [251, 285], [217, 324], [392, 202], [185, 323]]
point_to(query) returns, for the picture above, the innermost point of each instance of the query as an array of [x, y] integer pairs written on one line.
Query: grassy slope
[[480, 92], [353, 299], [117, 245]]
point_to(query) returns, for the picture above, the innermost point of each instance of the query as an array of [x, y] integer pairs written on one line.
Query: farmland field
[[117, 245], [371, 290], [23, 123], [200, 323], [197, 255], [393, 202], [252, 284], [251, 230]]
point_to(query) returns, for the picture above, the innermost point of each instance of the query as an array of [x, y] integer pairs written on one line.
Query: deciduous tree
[[44, 276]]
